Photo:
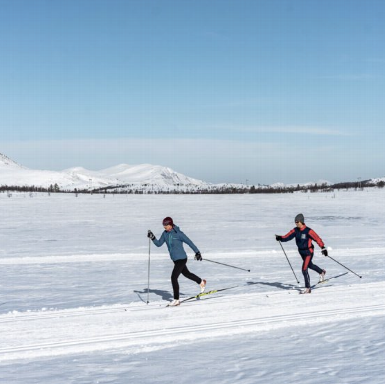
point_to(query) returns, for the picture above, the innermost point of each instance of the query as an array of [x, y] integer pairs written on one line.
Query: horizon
[[222, 91], [246, 183]]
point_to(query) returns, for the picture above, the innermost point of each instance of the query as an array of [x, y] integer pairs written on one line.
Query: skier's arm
[[316, 238], [289, 236], [186, 240], [159, 242]]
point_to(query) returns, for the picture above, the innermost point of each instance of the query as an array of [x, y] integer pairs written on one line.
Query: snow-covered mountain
[[149, 174], [14, 174], [88, 179], [377, 180], [7, 163], [145, 176], [308, 184]]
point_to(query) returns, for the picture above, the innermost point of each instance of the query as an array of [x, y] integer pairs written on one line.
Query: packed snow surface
[[73, 290]]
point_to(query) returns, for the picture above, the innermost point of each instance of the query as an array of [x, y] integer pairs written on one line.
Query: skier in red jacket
[[304, 237]]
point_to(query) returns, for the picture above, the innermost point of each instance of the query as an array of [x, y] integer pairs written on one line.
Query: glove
[[198, 256], [150, 235], [324, 251], [278, 238]]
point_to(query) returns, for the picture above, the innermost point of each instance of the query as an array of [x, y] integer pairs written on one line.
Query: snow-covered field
[[73, 287]]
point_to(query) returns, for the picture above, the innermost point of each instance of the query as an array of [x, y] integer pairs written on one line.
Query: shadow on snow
[[165, 295], [275, 285]]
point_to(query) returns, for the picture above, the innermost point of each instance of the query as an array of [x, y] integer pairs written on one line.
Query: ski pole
[[288, 261], [227, 265], [148, 278], [345, 267]]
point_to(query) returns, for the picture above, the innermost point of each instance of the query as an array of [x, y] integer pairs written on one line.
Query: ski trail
[[140, 306], [75, 312], [133, 332], [165, 336], [57, 314]]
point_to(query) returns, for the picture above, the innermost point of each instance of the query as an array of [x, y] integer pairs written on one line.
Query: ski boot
[[203, 285], [322, 276]]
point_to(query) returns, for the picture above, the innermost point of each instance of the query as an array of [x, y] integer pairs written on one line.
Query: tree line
[[226, 189]]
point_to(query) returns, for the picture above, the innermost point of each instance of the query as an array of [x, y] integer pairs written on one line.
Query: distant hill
[[7, 163], [144, 178], [120, 176]]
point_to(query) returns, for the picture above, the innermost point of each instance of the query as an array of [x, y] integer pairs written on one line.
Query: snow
[[74, 285], [143, 177], [308, 184], [149, 174], [140, 176], [6, 162], [377, 180]]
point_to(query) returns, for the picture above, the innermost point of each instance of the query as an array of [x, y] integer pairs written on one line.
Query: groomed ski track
[[136, 327]]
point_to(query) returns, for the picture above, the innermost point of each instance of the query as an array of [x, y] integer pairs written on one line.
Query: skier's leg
[[315, 268], [178, 267], [191, 276], [305, 270]]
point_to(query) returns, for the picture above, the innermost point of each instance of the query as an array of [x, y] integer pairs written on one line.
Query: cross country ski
[[197, 297], [327, 280]]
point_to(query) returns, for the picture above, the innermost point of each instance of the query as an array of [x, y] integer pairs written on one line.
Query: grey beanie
[[300, 218]]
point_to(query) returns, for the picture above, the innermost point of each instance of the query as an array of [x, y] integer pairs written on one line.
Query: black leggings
[[180, 268]]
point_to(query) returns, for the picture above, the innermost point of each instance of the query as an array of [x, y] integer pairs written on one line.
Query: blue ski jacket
[[304, 238], [174, 240]]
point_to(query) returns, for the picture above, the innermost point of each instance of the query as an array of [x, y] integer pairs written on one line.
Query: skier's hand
[[278, 238], [324, 251], [150, 235], [198, 256]]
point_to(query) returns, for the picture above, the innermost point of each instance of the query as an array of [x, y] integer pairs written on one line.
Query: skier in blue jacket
[[174, 239]]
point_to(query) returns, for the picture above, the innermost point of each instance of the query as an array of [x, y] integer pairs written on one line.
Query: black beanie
[[300, 218]]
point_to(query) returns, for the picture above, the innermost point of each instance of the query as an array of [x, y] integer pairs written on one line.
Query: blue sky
[[220, 90]]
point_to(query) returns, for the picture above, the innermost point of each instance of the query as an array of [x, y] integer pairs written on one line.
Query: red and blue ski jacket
[[304, 239]]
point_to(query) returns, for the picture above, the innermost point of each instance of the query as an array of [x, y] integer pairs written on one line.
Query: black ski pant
[[181, 268], [307, 263]]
